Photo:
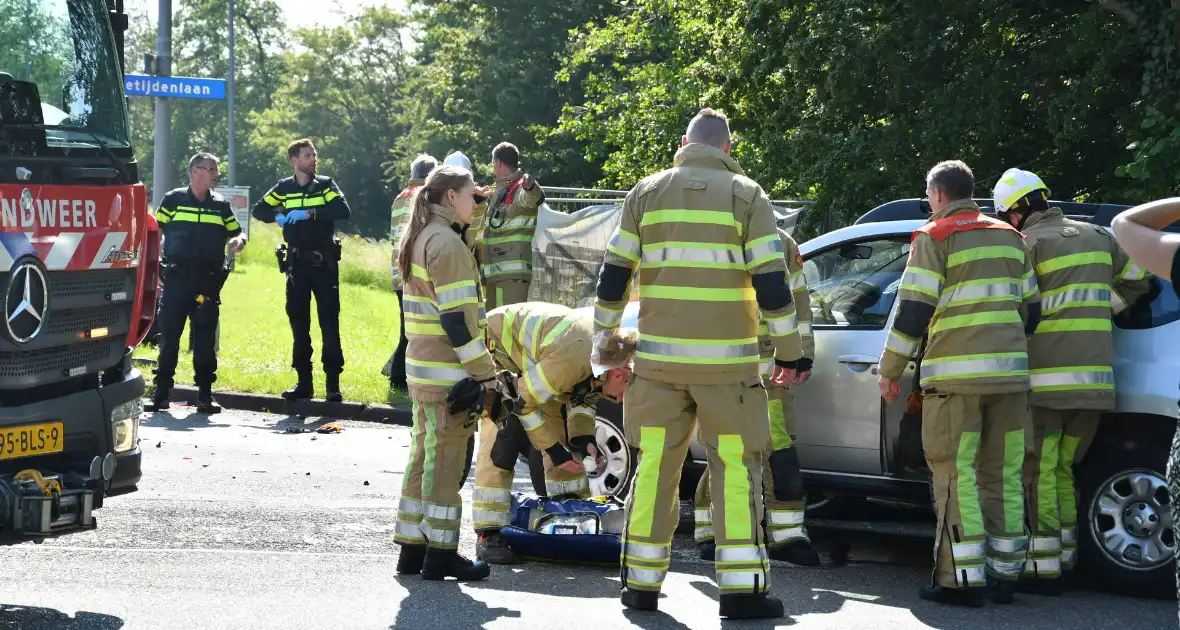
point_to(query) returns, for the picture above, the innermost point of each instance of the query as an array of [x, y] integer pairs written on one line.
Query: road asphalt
[[240, 524]]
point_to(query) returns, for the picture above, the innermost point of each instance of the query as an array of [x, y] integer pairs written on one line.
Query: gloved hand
[[464, 396], [281, 219], [296, 216]]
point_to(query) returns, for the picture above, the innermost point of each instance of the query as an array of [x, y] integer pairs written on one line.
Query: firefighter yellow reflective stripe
[[689, 254], [441, 536], [990, 252], [779, 438], [974, 366], [516, 238], [1010, 545], [740, 553], [558, 330], [409, 507], [442, 512], [737, 489], [501, 268], [719, 351], [506, 332], [490, 494], [798, 281], [1073, 260], [434, 372], [518, 223], [784, 517], [624, 244], [474, 350], [419, 272], [763, 250], [419, 305], [969, 510], [528, 333], [456, 294], [481, 518], [779, 326], [1132, 272], [775, 536], [967, 551], [1029, 284], [647, 552], [423, 329], [1073, 325], [408, 533], [533, 420], [980, 292], [711, 217], [607, 317], [1075, 295], [1013, 496], [538, 385], [1117, 303], [641, 516], [696, 294], [922, 281], [902, 344], [805, 329], [985, 318], [1071, 378]]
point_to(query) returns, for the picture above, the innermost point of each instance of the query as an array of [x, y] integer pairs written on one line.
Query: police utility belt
[[318, 257]]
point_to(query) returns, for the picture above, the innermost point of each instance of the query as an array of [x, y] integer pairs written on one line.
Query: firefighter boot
[[707, 550], [159, 401], [333, 387], [1002, 592], [205, 402], [972, 597], [493, 550], [409, 561], [441, 564], [302, 389], [798, 552], [640, 600], [750, 606]]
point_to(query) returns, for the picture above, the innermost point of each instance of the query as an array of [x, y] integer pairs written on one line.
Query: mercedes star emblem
[[26, 301]]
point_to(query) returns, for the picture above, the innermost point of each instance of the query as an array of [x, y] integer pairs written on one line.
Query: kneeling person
[[546, 350]]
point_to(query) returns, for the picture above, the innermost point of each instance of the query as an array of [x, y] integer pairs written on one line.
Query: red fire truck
[[79, 261]]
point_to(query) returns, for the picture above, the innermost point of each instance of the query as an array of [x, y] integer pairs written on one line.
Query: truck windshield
[[67, 49]]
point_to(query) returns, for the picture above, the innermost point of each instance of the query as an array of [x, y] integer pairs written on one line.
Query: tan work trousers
[[975, 448], [430, 509], [492, 497], [504, 292], [1061, 439], [660, 419], [784, 519]]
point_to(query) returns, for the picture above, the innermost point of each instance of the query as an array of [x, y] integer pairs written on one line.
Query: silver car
[[852, 446]]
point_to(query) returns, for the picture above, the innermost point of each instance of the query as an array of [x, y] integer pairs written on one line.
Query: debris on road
[[295, 430], [331, 427], [159, 444], [366, 483]]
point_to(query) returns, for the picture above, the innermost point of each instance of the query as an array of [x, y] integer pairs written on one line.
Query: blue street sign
[[173, 87]]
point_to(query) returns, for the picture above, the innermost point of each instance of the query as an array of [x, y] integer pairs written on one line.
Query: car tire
[[1123, 477], [621, 459]]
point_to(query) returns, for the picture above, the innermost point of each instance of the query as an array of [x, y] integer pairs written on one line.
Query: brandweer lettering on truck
[[48, 213]]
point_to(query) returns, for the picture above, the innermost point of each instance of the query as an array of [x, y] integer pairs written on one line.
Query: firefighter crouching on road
[[400, 215], [1084, 279], [546, 349], [969, 288], [307, 207], [704, 239], [196, 223], [508, 230], [443, 322], [785, 499]]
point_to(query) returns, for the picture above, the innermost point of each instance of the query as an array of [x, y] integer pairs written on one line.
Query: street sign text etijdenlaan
[[174, 87]]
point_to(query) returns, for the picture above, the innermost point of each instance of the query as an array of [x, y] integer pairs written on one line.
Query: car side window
[[855, 284], [1164, 309]]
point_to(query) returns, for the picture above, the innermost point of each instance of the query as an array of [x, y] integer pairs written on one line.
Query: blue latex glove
[[281, 219], [295, 216]]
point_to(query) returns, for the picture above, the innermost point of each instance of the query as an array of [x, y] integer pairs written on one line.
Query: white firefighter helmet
[[613, 349], [458, 159], [1013, 186]]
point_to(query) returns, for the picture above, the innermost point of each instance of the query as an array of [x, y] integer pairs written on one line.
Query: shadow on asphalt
[[27, 618], [441, 604], [193, 421]]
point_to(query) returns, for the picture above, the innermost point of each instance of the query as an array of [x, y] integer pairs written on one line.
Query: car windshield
[[67, 49]]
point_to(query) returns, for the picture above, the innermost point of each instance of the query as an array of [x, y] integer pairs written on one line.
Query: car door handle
[[859, 358]]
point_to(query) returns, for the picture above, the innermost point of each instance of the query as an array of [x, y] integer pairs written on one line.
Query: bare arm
[[1138, 232]]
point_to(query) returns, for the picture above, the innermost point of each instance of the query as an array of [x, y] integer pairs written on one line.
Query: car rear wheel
[[613, 478]]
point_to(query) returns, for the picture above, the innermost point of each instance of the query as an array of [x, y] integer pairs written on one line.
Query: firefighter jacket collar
[[507, 182], [1052, 215], [447, 214], [415, 181], [703, 155], [955, 207]]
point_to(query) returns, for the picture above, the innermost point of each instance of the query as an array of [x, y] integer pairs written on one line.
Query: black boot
[[1046, 588], [707, 550], [441, 564], [333, 387], [205, 402], [1002, 592], [640, 600], [159, 401], [750, 606], [798, 552], [302, 389], [972, 597], [492, 549], [409, 561]]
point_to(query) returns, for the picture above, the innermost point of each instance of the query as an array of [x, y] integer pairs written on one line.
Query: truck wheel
[[614, 479], [1126, 537]]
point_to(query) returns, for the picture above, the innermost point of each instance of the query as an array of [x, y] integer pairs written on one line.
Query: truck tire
[[1126, 539]]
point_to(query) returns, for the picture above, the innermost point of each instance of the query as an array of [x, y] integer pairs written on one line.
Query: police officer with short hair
[[307, 207], [196, 223]]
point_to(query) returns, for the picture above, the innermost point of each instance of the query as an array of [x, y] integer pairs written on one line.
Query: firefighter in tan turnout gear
[[443, 322], [1085, 278], [786, 536], [546, 347], [703, 238], [508, 227], [969, 289], [395, 368]]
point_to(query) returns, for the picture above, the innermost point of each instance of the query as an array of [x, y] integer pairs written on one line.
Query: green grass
[[255, 348]]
